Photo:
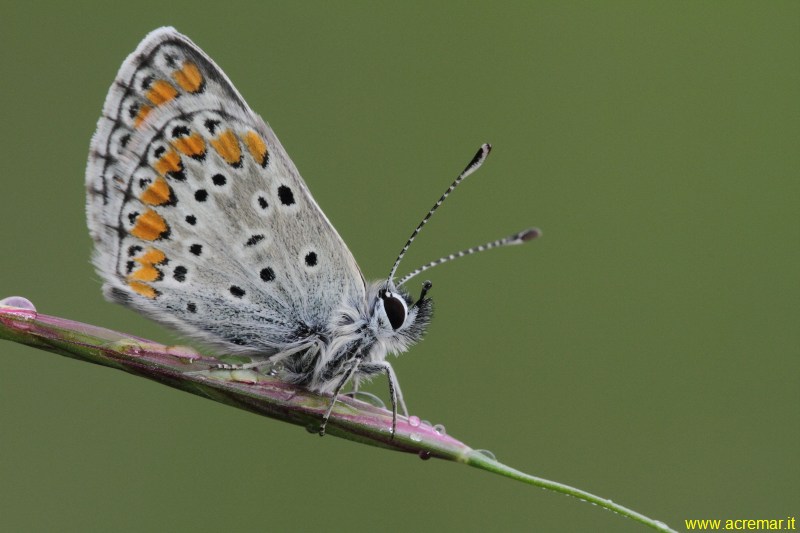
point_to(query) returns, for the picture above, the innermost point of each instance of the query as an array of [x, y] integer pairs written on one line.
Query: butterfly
[[202, 222]]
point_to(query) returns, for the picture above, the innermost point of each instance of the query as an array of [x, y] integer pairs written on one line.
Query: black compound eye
[[395, 308]]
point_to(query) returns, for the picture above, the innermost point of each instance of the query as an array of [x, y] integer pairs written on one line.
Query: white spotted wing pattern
[[199, 217]]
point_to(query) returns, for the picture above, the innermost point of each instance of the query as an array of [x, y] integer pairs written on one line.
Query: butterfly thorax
[[363, 333]]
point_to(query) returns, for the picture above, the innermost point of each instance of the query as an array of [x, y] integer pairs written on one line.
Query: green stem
[[199, 374], [483, 462]]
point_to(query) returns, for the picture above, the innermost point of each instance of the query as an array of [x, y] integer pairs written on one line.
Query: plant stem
[[199, 374]]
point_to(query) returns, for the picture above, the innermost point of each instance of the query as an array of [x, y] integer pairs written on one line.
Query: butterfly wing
[[200, 219]]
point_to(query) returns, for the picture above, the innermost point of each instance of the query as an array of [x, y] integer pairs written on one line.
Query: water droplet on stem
[[19, 302], [488, 454]]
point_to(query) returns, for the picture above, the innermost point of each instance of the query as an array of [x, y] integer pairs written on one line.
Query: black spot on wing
[[255, 239], [311, 259], [179, 273], [285, 195]]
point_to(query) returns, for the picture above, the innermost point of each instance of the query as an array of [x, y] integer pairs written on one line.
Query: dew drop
[[416, 437], [368, 397], [440, 429], [244, 376], [413, 421], [424, 455], [128, 347], [19, 302], [488, 454], [183, 352], [21, 309]]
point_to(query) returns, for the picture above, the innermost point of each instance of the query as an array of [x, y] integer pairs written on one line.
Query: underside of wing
[[200, 219]]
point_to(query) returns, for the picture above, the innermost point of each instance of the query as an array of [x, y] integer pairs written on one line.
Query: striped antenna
[[518, 238], [473, 165]]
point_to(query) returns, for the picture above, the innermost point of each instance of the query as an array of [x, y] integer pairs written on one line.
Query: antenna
[[518, 238], [473, 165]]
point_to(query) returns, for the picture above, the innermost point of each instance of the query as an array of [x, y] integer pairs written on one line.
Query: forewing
[[199, 217]]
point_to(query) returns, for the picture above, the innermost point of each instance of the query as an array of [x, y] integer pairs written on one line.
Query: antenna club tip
[[529, 234], [486, 147]]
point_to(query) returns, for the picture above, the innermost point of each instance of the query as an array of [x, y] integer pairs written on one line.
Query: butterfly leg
[[356, 393], [356, 384], [349, 374], [268, 365], [394, 388], [254, 365]]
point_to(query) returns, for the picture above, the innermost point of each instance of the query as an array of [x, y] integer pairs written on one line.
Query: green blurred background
[[645, 349]]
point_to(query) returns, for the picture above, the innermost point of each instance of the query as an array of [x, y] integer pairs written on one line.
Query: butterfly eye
[[395, 308]]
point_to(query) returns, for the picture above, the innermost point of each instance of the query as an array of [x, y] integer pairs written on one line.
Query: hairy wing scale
[[199, 217]]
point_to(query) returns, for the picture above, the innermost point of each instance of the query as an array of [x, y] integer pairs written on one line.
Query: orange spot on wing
[[227, 147], [147, 270], [152, 256], [144, 110], [145, 273], [161, 92], [193, 145], [149, 226], [257, 147], [158, 193], [170, 162], [142, 288], [189, 77]]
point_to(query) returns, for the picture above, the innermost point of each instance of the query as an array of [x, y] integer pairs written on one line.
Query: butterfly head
[[397, 319]]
